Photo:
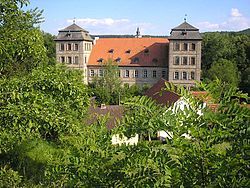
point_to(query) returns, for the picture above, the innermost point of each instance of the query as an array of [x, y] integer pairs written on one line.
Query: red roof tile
[[150, 51]]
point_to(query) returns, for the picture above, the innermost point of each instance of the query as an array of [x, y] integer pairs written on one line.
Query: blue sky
[[154, 17]]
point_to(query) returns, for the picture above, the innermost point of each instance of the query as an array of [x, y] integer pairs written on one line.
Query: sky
[[153, 17]]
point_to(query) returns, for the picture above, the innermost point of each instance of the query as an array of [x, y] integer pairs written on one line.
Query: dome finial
[[74, 20]]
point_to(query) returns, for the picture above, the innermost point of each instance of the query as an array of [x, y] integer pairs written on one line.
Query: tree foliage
[[21, 43], [221, 47]]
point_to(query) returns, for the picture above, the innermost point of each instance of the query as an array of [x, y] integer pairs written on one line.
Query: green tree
[[224, 70], [107, 87], [50, 46], [21, 43]]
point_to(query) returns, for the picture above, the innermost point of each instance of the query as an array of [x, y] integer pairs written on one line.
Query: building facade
[[140, 60]]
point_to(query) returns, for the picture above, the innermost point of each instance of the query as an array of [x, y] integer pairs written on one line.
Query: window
[[69, 47], [185, 47], [76, 60], [192, 47], [136, 60], [136, 74], [62, 47], [145, 73], [184, 75], [62, 59], [155, 60], [154, 73], [176, 60], [163, 74], [192, 60], [100, 60], [69, 60], [176, 75], [76, 47], [92, 73], [192, 75], [184, 60], [128, 51], [118, 60], [126, 73], [100, 72], [119, 73], [146, 51], [85, 59], [111, 51], [176, 46]]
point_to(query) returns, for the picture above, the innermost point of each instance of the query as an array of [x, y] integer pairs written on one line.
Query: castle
[[140, 60]]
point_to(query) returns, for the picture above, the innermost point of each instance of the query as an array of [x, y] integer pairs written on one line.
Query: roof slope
[[73, 32], [148, 51], [160, 96], [185, 31]]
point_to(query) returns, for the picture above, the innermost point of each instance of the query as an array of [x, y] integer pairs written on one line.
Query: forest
[[45, 142]]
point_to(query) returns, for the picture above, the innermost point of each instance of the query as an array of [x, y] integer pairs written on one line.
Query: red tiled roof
[[162, 97], [150, 51]]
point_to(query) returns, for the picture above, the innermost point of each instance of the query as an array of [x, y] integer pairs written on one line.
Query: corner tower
[[73, 47], [184, 55]]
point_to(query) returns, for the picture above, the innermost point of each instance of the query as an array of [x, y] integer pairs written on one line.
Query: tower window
[[69, 47], [62, 59], [154, 73], [193, 47], [192, 60], [176, 46], [192, 75], [184, 60], [177, 60], [62, 47], [185, 46], [76, 60], [76, 47], [69, 60]]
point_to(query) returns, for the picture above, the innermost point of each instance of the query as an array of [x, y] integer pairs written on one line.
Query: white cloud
[[95, 22], [235, 12], [111, 26], [236, 21]]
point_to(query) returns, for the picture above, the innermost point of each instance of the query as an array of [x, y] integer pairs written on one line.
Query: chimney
[[103, 106], [96, 38]]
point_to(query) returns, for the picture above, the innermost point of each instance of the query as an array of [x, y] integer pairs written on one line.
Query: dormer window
[[146, 51], [118, 60], [128, 51], [184, 33], [111, 51], [136, 60], [155, 60], [68, 34], [100, 60]]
